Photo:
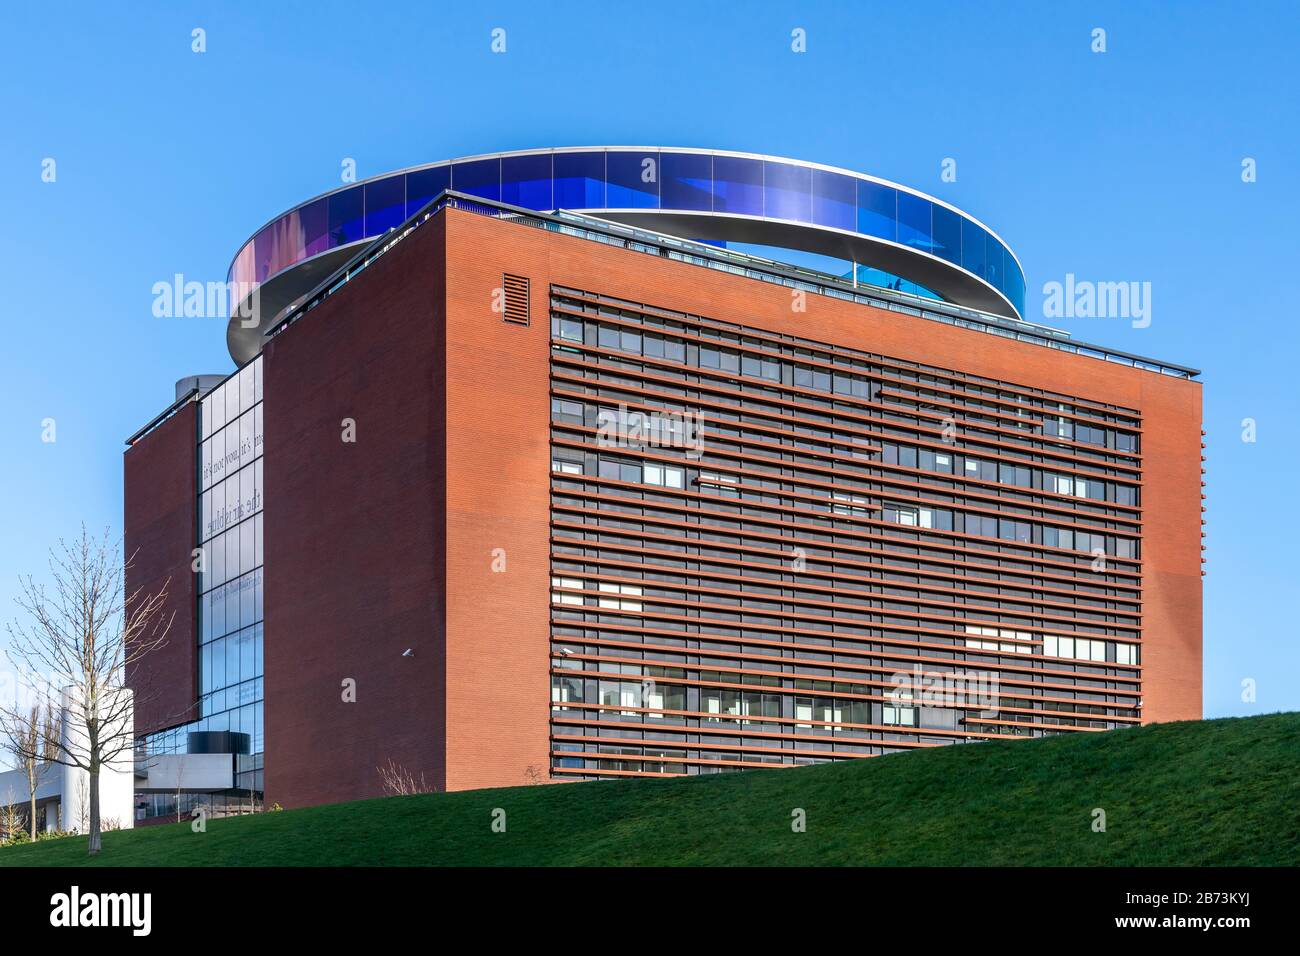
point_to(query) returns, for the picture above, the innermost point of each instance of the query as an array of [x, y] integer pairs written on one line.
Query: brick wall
[[159, 529], [353, 535]]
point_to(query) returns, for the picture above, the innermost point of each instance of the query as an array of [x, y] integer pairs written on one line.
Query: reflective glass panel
[[423, 185], [972, 248], [313, 224], [632, 180], [385, 204], [579, 180], [834, 198], [787, 192], [738, 185], [947, 234], [526, 181], [994, 267], [346, 216], [687, 180], [914, 221], [479, 178], [877, 210]]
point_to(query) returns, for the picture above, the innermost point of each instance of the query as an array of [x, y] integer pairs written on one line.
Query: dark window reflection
[[994, 268], [632, 180], [425, 184], [738, 185], [914, 221], [580, 180], [973, 241], [346, 216], [313, 223], [947, 234], [479, 178], [877, 210], [1015, 283], [687, 180], [526, 181], [385, 204]]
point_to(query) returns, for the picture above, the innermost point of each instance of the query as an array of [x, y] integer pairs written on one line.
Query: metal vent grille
[[515, 293]]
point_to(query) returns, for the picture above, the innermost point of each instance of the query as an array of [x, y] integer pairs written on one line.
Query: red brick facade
[[431, 532], [160, 525], [354, 531]]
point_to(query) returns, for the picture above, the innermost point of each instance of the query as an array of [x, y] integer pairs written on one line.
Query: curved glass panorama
[[589, 180]]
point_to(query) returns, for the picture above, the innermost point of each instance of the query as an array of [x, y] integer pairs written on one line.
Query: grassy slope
[[1213, 792]]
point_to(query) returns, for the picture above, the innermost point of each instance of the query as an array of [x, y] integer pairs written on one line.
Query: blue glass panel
[[879, 277], [995, 253], [632, 180], [738, 185], [914, 221], [346, 219], [385, 204], [1015, 285], [947, 234], [526, 181], [877, 210], [787, 191], [579, 180], [314, 220], [479, 178], [973, 241], [423, 185], [687, 181], [835, 200]]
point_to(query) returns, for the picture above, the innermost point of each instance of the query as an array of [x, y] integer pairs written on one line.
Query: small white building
[[63, 792]]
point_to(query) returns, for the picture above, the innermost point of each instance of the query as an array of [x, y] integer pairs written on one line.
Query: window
[[719, 359], [719, 484], [571, 583], [760, 367], [1014, 475], [568, 329], [1126, 654], [617, 603], [565, 690], [850, 505], [664, 476], [607, 337], [803, 710], [567, 411], [898, 715], [999, 646], [1013, 530], [1081, 649], [901, 514]]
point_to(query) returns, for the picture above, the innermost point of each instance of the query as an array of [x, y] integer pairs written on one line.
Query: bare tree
[[11, 818], [400, 782], [26, 734], [83, 805], [87, 632]]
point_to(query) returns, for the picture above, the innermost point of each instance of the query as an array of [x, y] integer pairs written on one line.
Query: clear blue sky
[[1117, 166]]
